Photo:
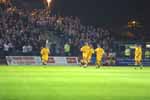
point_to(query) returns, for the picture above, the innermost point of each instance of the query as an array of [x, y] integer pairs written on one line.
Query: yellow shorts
[[85, 56], [45, 58], [89, 57], [99, 58], [138, 58]]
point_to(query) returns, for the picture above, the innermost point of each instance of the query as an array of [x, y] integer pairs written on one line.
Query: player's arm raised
[[41, 52]]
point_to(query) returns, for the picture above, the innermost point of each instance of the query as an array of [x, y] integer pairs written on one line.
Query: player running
[[138, 56], [99, 55], [85, 52], [91, 52], [45, 55]]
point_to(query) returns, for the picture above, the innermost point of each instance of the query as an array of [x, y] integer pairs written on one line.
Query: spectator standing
[[1, 47], [25, 49], [67, 49], [29, 48], [6, 49]]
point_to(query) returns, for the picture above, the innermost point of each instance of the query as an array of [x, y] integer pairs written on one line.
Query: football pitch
[[74, 83]]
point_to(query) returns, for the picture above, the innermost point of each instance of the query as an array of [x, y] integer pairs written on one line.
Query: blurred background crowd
[[24, 32]]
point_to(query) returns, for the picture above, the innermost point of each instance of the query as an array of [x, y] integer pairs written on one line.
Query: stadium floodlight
[[134, 22], [49, 3], [148, 46]]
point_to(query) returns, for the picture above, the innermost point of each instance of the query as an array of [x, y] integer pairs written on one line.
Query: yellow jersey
[[91, 51], [99, 51], [45, 51], [85, 49], [138, 51]]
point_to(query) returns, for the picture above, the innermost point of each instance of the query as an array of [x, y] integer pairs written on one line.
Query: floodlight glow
[[148, 46], [49, 2], [134, 22]]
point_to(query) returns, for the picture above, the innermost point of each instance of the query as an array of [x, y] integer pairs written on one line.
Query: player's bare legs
[[86, 63], [138, 63], [44, 62], [82, 63], [98, 64], [135, 64]]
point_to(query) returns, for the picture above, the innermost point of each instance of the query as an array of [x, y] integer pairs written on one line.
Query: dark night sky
[[105, 12]]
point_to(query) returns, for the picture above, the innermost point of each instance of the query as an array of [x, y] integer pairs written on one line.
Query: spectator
[[67, 49], [29, 48], [1, 47], [25, 49], [6, 49], [20, 26], [11, 47]]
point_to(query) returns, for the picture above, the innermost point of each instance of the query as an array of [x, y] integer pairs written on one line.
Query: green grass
[[74, 83]]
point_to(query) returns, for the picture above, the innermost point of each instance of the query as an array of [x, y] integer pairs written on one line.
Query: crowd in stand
[[18, 32], [21, 31], [76, 34]]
